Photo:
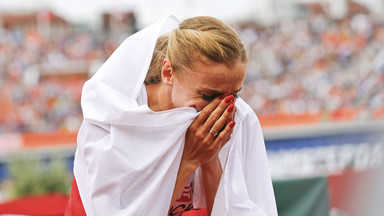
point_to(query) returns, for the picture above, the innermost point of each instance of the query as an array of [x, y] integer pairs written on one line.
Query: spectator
[[306, 65]]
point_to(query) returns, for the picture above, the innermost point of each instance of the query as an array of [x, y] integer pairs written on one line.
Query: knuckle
[[205, 112], [223, 105], [227, 139], [200, 135], [214, 116], [219, 139], [192, 128]]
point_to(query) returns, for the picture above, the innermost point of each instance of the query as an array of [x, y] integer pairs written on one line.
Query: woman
[[144, 150]]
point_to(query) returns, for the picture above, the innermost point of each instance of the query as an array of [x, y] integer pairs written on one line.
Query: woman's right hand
[[209, 132]]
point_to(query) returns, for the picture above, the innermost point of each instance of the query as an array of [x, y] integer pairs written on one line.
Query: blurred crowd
[[316, 65], [41, 79], [298, 66]]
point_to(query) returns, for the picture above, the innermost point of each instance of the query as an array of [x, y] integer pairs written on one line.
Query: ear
[[167, 72]]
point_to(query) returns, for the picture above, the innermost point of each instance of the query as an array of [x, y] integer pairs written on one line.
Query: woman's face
[[206, 81]]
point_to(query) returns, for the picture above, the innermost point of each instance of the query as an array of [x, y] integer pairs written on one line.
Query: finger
[[226, 117], [226, 139], [207, 110], [232, 117], [225, 135], [222, 138], [217, 114], [213, 132]]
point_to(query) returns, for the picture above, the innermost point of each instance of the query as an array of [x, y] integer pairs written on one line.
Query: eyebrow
[[219, 92]]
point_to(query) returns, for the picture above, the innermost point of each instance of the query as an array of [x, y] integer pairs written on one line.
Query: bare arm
[[185, 172], [211, 174]]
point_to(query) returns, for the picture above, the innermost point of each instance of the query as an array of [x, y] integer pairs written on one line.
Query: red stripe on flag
[[75, 205]]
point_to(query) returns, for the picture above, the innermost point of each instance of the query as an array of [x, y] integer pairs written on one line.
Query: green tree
[[30, 175]]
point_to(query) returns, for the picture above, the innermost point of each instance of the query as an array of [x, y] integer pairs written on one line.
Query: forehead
[[216, 76]]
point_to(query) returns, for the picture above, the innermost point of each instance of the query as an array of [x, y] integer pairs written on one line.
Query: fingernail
[[232, 124], [230, 108], [229, 99], [221, 97]]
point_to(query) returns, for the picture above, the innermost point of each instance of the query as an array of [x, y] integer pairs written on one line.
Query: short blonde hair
[[196, 36]]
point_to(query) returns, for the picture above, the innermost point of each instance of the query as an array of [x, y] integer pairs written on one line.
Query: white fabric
[[245, 187], [128, 156]]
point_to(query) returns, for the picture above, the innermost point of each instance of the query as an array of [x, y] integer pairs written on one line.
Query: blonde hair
[[194, 37]]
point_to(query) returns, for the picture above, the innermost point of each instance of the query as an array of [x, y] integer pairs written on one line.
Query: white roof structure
[[148, 11]]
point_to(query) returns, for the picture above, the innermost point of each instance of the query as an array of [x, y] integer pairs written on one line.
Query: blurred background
[[315, 79]]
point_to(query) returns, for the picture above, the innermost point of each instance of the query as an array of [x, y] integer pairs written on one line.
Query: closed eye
[[208, 97]]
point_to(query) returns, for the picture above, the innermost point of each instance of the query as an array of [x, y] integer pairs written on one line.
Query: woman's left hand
[[209, 132], [205, 137]]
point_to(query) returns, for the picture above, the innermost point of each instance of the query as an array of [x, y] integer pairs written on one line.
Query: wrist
[[188, 166], [212, 165]]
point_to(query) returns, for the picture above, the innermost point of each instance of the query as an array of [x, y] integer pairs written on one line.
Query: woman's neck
[[159, 97]]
